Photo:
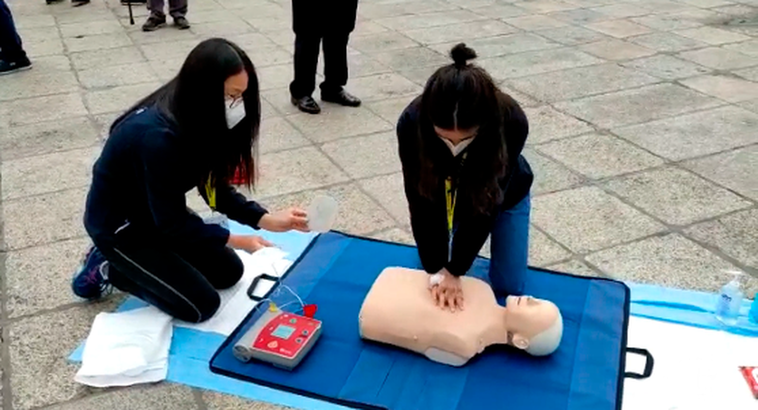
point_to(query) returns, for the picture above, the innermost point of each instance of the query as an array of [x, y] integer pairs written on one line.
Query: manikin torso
[[400, 311]]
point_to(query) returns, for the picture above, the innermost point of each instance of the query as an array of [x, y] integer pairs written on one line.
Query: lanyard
[[210, 192], [451, 196]]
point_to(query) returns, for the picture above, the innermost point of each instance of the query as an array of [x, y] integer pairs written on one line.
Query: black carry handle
[[251, 289], [648, 364]]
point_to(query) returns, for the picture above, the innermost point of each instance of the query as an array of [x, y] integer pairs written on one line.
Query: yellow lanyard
[[450, 198], [210, 193]]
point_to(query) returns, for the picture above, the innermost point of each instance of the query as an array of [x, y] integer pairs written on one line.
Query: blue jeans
[[10, 42], [509, 249]]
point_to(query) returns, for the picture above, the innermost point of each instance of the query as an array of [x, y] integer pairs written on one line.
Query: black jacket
[[142, 177], [323, 16], [429, 216]]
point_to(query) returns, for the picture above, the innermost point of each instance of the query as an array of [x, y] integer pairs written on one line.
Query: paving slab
[[162, 396], [216, 401], [634, 106], [734, 170], [670, 260], [587, 219], [338, 122], [544, 251], [396, 235], [666, 42], [666, 67], [39, 347], [572, 35], [547, 124], [47, 173], [549, 175], [727, 88], [296, 170], [42, 219], [57, 107], [388, 191], [277, 134], [503, 45], [619, 28], [733, 235], [383, 86], [581, 82], [598, 156], [536, 62], [365, 156], [468, 30], [691, 135], [575, 267], [681, 197], [46, 137], [719, 58]]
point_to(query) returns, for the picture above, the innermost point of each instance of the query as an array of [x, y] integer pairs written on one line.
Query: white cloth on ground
[[126, 348]]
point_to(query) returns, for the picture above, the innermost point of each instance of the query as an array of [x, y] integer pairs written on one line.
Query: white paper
[[695, 369], [126, 348]]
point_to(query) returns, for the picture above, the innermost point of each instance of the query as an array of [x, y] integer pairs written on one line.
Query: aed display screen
[[283, 332]]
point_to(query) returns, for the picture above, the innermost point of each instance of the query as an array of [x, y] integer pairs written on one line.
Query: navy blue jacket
[[142, 177], [429, 215]]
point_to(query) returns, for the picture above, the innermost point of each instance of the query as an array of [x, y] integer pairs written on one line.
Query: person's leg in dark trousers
[[157, 19], [13, 55], [178, 11], [335, 63], [336, 70], [182, 283], [307, 46]]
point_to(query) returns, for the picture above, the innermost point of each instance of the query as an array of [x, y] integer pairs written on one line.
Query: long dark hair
[[463, 96], [194, 99]]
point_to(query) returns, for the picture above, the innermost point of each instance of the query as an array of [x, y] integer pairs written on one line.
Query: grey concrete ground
[[644, 139]]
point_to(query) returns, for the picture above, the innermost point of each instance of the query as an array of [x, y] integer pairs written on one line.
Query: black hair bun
[[462, 54]]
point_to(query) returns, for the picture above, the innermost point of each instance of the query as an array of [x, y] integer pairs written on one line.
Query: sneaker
[[91, 280], [7, 67], [153, 23], [181, 23]]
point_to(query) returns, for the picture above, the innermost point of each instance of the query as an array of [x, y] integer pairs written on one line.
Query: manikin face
[[527, 317]]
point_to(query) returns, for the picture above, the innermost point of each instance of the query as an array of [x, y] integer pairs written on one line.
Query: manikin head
[[534, 325]]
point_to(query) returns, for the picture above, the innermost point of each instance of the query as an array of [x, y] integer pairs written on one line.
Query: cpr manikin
[[399, 310]]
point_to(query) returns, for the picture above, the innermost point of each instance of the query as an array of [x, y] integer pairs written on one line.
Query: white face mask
[[457, 149], [235, 111]]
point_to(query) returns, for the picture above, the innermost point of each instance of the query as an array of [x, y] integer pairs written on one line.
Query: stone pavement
[[644, 140]]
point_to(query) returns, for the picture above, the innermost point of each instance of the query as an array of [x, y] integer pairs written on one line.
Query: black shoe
[[153, 23], [306, 104], [342, 98], [53, 1], [181, 23], [7, 67], [77, 3], [125, 2]]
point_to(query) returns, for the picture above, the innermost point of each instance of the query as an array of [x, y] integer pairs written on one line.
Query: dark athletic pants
[[10, 42], [306, 61], [181, 282]]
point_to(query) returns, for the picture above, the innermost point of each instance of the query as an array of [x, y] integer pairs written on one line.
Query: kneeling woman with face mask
[[196, 132], [460, 146]]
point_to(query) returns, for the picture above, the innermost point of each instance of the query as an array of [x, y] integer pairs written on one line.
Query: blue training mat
[[336, 271]]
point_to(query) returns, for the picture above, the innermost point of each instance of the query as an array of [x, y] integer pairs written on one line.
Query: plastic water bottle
[[754, 309], [730, 299]]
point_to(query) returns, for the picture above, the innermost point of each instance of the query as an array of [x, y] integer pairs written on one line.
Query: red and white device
[[280, 338]]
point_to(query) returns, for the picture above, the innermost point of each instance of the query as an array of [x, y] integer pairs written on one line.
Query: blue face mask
[[235, 111]]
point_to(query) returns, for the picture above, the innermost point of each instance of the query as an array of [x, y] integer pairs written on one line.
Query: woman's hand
[[286, 220], [248, 243], [448, 293]]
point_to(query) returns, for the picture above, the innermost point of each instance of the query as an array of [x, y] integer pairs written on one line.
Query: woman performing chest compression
[[465, 179], [196, 131]]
